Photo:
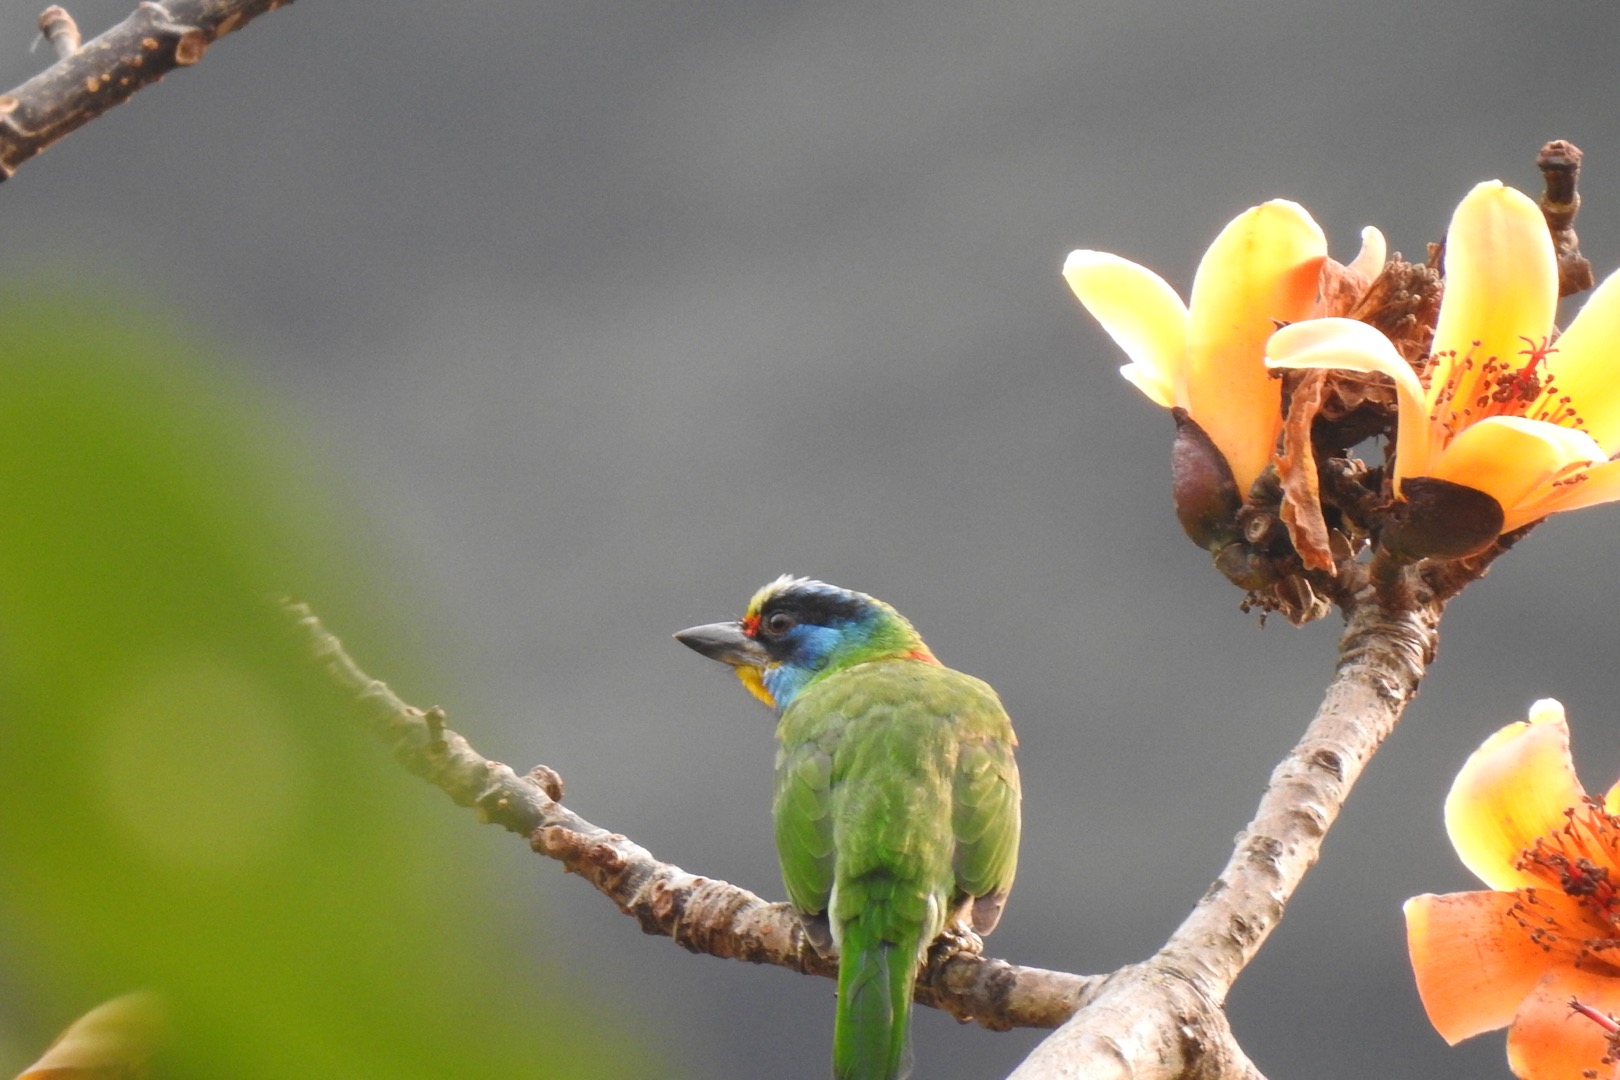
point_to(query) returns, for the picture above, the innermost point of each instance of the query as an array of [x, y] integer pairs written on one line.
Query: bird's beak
[[725, 642]]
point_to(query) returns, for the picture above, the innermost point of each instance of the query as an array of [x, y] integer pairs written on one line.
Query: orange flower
[[1502, 409], [1550, 931], [1207, 358]]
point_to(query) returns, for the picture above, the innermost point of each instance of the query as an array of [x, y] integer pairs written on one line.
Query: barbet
[[897, 797]]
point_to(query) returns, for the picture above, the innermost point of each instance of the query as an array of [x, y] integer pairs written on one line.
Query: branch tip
[[60, 30], [1560, 165], [434, 718], [549, 780]]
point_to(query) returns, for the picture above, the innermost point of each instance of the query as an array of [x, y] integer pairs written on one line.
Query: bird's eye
[[779, 623]]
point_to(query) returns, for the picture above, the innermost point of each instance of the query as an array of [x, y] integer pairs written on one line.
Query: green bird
[[897, 797]]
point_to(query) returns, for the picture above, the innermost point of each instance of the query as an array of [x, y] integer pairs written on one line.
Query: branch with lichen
[[1164, 1017], [1155, 1020], [700, 914], [90, 78]]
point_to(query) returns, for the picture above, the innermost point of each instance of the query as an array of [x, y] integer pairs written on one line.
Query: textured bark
[[1560, 165], [701, 914], [1160, 1019], [91, 78], [1164, 1018]]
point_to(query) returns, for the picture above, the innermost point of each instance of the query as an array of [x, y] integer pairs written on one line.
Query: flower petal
[[1261, 270], [1583, 364], [1142, 313], [1369, 261], [1549, 1040], [1473, 960], [1599, 484], [1501, 284], [1515, 460], [1513, 789], [1349, 345]]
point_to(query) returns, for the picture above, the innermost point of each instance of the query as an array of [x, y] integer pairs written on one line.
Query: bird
[[897, 804]]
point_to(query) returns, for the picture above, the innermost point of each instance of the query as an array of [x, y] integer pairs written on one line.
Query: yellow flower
[[1502, 408], [1208, 358], [1520, 820]]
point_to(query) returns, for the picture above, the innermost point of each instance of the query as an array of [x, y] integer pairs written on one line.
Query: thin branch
[[106, 71], [60, 30], [700, 914], [1163, 1018]]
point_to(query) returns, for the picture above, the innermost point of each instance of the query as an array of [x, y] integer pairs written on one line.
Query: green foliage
[[186, 805]]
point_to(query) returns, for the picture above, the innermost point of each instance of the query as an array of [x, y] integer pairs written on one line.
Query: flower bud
[[1206, 496]]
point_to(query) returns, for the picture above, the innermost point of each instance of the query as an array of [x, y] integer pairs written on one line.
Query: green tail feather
[[875, 983]]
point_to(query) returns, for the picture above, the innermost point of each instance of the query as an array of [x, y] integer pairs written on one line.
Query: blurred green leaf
[[185, 803]]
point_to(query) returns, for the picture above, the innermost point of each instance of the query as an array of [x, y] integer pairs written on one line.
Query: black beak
[[725, 642]]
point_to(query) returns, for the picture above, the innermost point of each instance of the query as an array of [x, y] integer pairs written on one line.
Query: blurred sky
[[601, 314]]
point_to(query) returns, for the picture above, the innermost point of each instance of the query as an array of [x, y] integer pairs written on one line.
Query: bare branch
[[700, 914], [1163, 1018], [1383, 655], [91, 78]]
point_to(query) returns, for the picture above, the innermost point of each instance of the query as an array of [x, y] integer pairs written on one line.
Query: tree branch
[[700, 914], [1160, 1019], [108, 70], [1164, 1018]]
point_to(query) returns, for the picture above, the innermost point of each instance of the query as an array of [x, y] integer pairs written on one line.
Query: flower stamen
[[1576, 859], [1499, 388]]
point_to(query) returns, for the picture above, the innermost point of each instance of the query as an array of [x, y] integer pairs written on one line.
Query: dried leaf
[[1296, 468]]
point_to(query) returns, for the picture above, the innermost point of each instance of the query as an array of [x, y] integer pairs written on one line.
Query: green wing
[[985, 817], [802, 809]]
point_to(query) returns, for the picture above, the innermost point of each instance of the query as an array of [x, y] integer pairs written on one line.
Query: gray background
[[605, 313]]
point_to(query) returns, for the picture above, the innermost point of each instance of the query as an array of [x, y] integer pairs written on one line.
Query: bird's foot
[[956, 938]]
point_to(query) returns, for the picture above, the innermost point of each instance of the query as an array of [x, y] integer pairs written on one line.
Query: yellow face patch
[[753, 678]]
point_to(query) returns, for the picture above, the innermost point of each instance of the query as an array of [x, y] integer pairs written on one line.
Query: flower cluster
[[1495, 419], [1502, 409]]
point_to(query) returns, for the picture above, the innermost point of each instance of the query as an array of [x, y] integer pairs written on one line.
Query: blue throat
[[814, 649]]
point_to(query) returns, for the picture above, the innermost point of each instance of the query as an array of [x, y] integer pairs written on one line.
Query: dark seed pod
[[1437, 519]]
